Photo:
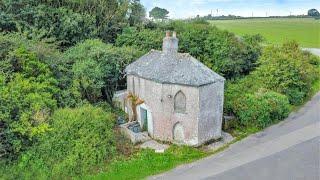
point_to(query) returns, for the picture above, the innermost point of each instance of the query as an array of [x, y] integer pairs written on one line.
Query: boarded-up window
[[180, 102]]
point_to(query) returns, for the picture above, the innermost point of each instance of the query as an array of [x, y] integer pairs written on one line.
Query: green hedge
[[79, 141], [285, 73], [288, 70], [261, 109]]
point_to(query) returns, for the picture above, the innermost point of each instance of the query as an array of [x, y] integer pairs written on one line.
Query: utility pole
[[252, 14]]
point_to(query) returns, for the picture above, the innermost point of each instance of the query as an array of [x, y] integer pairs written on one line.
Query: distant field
[[277, 30]]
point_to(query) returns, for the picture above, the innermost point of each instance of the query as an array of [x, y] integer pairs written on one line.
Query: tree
[[98, 68], [313, 12], [158, 13], [221, 51], [137, 13], [67, 21]]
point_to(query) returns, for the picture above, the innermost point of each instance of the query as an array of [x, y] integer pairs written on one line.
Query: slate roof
[[172, 68]]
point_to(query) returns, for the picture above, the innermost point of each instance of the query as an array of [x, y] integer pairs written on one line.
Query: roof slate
[[172, 68]]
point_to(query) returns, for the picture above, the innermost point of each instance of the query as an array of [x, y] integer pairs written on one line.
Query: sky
[[191, 8]]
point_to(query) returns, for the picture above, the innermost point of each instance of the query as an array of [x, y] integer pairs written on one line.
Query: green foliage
[[7, 23], [230, 62], [261, 109], [144, 39], [78, 141], [98, 68], [66, 22], [287, 70], [65, 26], [110, 16], [313, 12], [40, 22], [220, 50], [158, 13], [137, 13], [26, 101], [46, 54]]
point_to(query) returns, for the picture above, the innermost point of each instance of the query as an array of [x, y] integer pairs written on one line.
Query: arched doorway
[[178, 133]]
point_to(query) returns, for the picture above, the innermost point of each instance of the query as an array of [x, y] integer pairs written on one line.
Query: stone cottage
[[181, 98]]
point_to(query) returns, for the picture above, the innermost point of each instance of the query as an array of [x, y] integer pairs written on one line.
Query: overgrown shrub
[[98, 68], [287, 70], [144, 39], [26, 101], [46, 54], [222, 51], [65, 22], [284, 69], [261, 109], [78, 142]]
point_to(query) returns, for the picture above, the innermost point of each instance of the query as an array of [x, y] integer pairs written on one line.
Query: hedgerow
[[79, 141], [284, 77]]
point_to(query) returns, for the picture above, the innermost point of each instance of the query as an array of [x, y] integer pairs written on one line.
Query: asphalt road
[[315, 51], [289, 150], [298, 162]]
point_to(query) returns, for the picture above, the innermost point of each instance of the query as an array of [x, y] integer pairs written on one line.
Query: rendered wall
[[160, 99], [211, 111]]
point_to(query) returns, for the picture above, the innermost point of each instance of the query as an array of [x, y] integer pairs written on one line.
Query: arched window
[[180, 102]]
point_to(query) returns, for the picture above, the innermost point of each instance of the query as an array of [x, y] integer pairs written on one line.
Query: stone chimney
[[170, 44]]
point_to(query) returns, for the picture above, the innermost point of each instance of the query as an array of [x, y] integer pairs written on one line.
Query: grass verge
[[147, 162]]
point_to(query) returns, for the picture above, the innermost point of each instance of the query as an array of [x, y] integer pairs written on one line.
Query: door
[[178, 133], [144, 118]]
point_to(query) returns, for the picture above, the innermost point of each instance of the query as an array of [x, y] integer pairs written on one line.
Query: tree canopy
[[313, 12], [68, 22], [203, 41], [137, 13], [158, 13]]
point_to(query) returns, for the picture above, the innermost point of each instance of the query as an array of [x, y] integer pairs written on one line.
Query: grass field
[[306, 31]]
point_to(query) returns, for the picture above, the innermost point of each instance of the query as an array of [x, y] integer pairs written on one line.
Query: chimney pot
[[174, 34], [167, 33], [170, 44]]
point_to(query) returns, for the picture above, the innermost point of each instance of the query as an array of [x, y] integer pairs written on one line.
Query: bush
[[261, 109], [221, 51], [144, 40], [36, 21], [287, 70], [27, 89], [78, 142], [45, 54], [98, 68]]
